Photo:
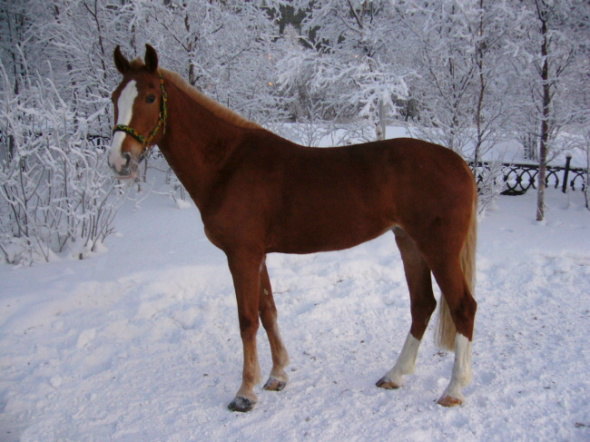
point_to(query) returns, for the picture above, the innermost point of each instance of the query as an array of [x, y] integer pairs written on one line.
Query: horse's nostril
[[127, 157]]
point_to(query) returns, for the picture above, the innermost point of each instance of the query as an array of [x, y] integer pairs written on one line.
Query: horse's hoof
[[387, 384], [241, 404], [273, 384], [449, 401]]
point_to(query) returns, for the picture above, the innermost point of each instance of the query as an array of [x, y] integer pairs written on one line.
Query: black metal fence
[[517, 178]]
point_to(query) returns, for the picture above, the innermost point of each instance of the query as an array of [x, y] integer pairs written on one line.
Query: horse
[[258, 193]]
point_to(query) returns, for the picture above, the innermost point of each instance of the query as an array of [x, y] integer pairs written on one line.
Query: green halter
[[161, 124]]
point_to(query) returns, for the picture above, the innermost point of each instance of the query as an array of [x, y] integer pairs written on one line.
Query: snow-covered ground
[[141, 343]]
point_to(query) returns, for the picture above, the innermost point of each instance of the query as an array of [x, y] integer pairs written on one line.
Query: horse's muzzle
[[123, 165]]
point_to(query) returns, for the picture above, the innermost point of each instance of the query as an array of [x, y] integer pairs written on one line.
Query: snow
[[141, 342]]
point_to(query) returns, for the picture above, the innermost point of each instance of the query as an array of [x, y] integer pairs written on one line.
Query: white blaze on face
[[125, 108]]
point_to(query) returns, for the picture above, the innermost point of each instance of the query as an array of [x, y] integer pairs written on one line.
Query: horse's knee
[[248, 326]]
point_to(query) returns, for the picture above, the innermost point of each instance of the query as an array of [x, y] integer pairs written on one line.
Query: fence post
[[566, 172]]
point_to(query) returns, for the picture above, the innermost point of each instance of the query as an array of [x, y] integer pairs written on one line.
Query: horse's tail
[[446, 327]]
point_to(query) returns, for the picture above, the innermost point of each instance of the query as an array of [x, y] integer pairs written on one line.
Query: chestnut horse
[[259, 193]]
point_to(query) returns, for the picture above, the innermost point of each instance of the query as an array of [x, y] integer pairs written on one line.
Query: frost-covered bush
[[490, 184], [55, 189]]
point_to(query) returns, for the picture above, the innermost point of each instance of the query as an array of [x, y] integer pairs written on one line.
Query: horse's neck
[[196, 144]]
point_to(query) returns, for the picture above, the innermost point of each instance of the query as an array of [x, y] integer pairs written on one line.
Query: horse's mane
[[216, 108]]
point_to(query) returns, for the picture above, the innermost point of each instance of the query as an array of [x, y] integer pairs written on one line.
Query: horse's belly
[[323, 232]]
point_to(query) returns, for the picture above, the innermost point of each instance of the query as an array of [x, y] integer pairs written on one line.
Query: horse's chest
[[215, 239], [230, 230]]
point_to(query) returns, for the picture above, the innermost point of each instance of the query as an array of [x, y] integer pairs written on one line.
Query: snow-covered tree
[[548, 58], [347, 63], [456, 56], [76, 41], [55, 190], [489, 28], [223, 48]]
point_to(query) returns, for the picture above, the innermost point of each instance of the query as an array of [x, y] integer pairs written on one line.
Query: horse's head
[[140, 111]]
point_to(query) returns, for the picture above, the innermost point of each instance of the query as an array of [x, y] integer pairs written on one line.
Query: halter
[[161, 124]]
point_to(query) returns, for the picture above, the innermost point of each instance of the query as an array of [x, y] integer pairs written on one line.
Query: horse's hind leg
[[462, 306], [422, 305], [268, 314]]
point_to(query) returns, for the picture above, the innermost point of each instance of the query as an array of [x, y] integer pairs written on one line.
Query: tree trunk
[[482, 89], [544, 140]]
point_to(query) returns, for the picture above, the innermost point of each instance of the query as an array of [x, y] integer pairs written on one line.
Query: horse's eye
[[150, 98]]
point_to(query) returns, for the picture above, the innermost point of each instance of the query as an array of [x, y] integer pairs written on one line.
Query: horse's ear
[[151, 58], [120, 61]]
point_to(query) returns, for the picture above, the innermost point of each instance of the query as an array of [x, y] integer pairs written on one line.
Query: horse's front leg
[[245, 269]]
